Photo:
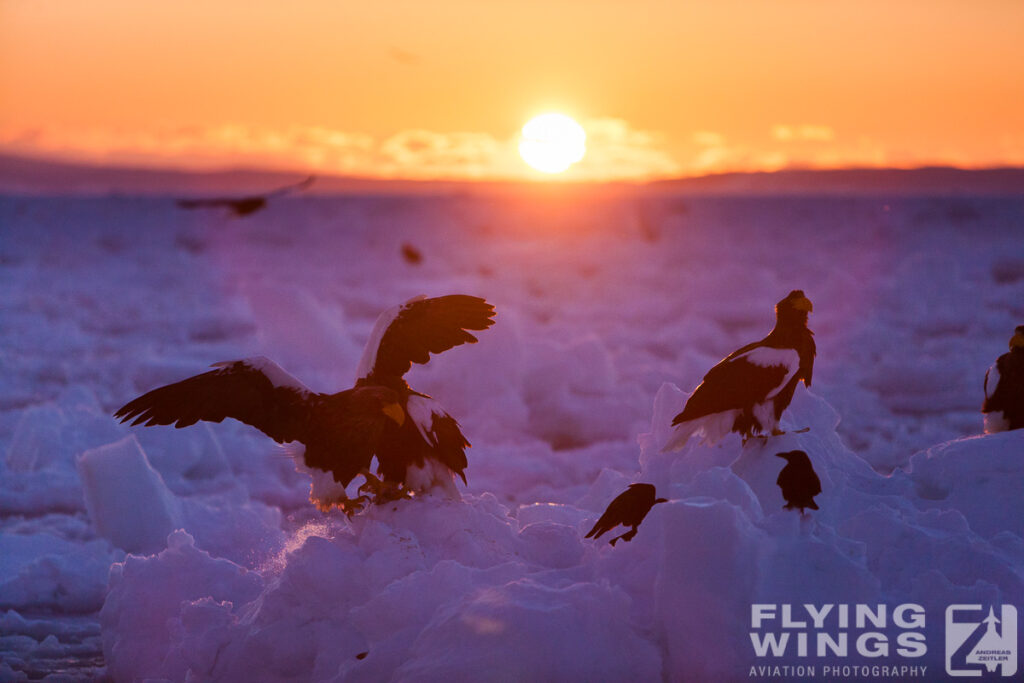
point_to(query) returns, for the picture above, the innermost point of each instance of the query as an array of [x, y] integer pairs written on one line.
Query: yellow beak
[[803, 304], [395, 412]]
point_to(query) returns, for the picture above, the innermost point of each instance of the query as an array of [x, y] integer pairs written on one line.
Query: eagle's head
[[1017, 340], [794, 307]]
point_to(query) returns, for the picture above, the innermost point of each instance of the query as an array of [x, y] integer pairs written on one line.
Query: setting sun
[[551, 143]]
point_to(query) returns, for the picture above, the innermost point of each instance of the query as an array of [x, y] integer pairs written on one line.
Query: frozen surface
[[609, 312]]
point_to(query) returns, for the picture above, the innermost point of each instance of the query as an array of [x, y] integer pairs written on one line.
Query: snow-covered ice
[[194, 553]]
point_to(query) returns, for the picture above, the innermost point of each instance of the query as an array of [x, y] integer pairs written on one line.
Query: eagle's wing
[[294, 187], [991, 384], [741, 380], [255, 391], [409, 333], [440, 431]]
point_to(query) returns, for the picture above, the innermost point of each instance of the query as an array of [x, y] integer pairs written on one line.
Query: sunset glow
[[407, 90], [553, 142]]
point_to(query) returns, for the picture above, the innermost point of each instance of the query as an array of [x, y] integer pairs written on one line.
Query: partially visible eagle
[[750, 388], [629, 508], [1004, 388], [418, 445]]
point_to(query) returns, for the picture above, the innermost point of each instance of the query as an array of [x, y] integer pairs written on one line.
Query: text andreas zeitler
[[837, 631]]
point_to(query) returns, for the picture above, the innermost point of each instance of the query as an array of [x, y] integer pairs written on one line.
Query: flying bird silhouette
[[1004, 388], [628, 509], [798, 481], [418, 445], [748, 390], [243, 206]]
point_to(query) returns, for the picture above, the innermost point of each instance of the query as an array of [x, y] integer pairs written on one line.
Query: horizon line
[[43, 174]]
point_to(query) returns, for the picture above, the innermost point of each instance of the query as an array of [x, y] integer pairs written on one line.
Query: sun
[[552, 142]]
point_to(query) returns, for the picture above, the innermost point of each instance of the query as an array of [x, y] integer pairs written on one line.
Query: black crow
[[628, 509], [798, 481]]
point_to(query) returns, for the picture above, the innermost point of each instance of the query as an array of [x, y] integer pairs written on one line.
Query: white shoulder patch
[[991, 380], [766, 357], [422, 410], [384, 320], [271, 370]]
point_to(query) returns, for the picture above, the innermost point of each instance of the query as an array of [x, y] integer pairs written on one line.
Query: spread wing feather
[[238, 389], [425, 326], [451, 444]]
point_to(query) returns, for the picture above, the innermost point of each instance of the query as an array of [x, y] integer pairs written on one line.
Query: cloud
[[427, 154], [200, 147], [707, 138], [714, 153], [615, 151], [803, 133]]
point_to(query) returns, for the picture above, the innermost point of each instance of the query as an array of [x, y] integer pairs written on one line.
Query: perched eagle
[[628, 509], [750, 388], [1004, 388], [798, 481], [418, 445]]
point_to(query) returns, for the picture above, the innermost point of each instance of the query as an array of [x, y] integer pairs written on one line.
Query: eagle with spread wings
[[418, 445]]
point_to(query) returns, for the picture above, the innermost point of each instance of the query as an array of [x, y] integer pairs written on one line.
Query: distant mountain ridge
[[27, 175]]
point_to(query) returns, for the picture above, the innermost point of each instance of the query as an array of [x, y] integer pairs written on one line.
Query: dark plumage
[[1004, 388], [750, 388], [417, 444], [798, 481], [628, 509], [243, 206]]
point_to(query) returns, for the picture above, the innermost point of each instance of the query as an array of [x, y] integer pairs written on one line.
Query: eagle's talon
[[371, 482], [349, 506], [382, 491]]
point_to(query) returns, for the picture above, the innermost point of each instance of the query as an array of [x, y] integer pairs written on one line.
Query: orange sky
[[418, 89]]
